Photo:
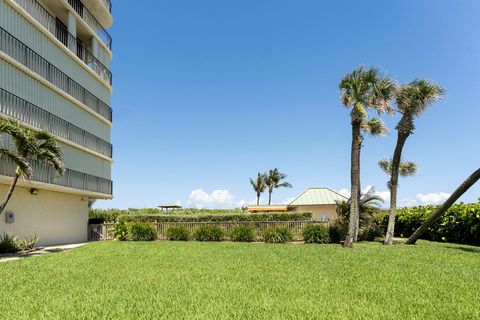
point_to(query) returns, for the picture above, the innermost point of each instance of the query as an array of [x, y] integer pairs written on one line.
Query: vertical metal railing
[[26, 56], [57, 29], [91, 21], [71, 178], [22, 110]]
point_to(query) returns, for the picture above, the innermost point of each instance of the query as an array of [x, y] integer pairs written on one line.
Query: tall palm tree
[[467, 184], [30, 145], [259, 185], [360, 90], [274, 181], [412, 100]]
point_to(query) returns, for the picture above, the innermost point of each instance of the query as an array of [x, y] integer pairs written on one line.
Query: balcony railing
[[71, 179], [108, 5], [30, 59], [57, 29], [91, 21], [24, 111]]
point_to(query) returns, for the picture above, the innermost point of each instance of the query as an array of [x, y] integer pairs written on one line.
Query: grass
[[192, 280]]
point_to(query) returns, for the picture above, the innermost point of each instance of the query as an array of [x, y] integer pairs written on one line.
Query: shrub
[[460, 224], [208, 233], [370, 233], [9, 243], [140, 231], [120, 231], [178, 233], [243, 234], [272, 216], [28, 243], [337, 231], [316, 233], [277, 235]]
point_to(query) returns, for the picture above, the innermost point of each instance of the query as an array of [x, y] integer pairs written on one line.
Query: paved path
[[42, 251]]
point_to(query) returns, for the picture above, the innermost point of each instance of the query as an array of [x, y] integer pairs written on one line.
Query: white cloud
[[217, 199], [433, 198], [344, 192], [288, 200], [385, 195]]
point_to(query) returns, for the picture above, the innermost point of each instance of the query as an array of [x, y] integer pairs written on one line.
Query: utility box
[[10, 217]]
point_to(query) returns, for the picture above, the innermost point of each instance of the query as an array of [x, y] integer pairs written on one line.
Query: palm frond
[[385, 165], [415, 97], [375, 127], [24, 167], [407, 168]]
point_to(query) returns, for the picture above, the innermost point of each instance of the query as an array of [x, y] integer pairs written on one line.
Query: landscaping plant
[[243, 234], [316, 233], [277, 235], [120, 231], [141, 231], [208, 233], [9, 243], [177, 233]]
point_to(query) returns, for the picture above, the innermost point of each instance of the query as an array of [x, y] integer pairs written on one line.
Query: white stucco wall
[[55, 217]]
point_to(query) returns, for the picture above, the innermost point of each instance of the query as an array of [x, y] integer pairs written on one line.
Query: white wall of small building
[[55, 217]]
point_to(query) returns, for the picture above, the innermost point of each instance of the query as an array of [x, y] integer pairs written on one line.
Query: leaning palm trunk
[[393, 186], [444, 207], [10, 191], [355, 185]]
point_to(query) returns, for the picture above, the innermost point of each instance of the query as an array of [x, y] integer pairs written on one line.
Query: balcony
[[60, 31], [91, 21], [22, 110], [71, 179], [30, 59]]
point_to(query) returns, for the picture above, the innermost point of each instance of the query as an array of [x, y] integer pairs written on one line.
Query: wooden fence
[[98, 232]]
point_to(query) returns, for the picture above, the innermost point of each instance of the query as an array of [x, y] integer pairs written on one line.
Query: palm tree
[[259, 185], [274, 181], [412, 100], [369, 201], [30, 145], [467, 184], [360, 90]]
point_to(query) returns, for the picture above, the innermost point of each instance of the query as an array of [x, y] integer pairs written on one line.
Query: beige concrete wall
[[55, 217], [318, 210]]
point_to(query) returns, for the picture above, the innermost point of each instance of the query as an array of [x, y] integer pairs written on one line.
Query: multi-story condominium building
[[55, 75]]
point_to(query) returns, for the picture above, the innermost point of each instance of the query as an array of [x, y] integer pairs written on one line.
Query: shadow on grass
[[465, 249]]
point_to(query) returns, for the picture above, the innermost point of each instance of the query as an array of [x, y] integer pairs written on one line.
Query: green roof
[[317, 196]]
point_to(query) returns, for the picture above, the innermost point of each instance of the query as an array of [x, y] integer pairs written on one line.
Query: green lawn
[[172, 280]]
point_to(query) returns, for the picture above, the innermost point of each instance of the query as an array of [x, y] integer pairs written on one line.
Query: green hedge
[[460, 224], [111, 215], [279, 216]]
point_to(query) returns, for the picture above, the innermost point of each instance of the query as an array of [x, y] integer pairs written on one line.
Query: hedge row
[[460, 224], [111, 215], [273, 216]]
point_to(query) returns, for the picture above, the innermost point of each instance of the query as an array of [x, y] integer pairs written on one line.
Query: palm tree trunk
[[393, 186], [258, 198], [474, 177], [9, 192], [355, 185], [269, 197]]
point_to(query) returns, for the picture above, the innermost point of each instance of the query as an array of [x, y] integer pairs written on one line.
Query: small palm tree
[[274, 181], [412, 100], [259, 185], [360, 90], [369, 201], [30, 145]]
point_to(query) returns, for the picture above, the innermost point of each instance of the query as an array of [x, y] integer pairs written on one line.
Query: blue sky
[[208, 93]]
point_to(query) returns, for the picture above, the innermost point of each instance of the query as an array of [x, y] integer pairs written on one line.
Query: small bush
[[140, 231], [337, 231], [120, 231], [277, 235], [178, 233], [9, 243], [243, 234], [370, 233], [28, 243], [208, 233], [316, 233]]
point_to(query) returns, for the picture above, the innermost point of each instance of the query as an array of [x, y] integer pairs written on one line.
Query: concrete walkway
[[41, 251]]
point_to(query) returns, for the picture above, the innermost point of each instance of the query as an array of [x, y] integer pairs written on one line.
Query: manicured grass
[[192, 280]]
